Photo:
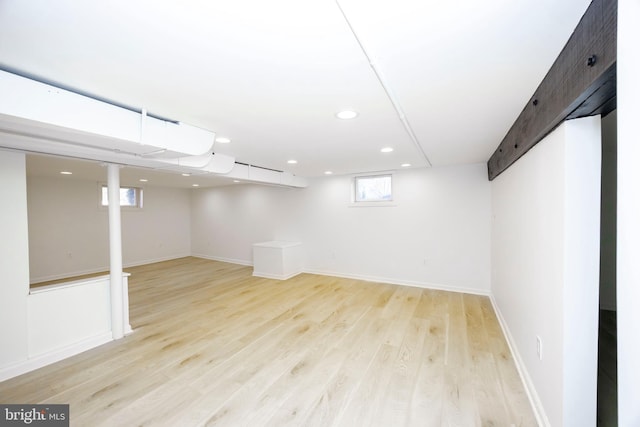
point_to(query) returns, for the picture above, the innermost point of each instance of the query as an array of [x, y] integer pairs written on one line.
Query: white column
[[628, 233], [14, 262], [115, 251]]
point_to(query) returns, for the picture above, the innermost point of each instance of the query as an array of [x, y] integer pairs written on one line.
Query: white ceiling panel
[[463, 70], [271, 75]]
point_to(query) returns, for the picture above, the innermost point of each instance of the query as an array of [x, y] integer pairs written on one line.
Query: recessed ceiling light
[[143, 180], [346, 115], [66, 173], [386, 150], [223, 140], [405, 165], [236, 181], [292, 162], [195, 185], [186, 174], [328, 172]]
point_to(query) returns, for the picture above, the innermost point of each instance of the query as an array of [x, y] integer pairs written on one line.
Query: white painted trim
[[532, 394], [71, 284], [276, 276], [392, 281], [222, 259], [37, 362], [41, 279]]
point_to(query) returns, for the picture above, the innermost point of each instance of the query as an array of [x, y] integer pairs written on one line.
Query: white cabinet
[[277, 259]]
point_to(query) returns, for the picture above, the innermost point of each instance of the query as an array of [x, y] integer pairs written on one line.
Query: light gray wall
[[437, 234], [69, 234]]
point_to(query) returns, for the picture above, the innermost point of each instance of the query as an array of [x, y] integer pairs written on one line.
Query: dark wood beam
[[581, 82]]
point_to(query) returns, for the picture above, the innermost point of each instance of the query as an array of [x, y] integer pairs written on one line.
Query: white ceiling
[[271, 75]]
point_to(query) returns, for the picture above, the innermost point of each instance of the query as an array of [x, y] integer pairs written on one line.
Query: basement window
[[129, 196], [373, 188]]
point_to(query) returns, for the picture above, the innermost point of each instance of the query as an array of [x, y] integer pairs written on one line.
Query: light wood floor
[[215, 346]]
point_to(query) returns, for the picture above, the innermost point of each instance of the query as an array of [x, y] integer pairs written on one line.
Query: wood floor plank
[[153, 409], [359, 348], [513, 392], [393, 406], [362, 404], [213, 345], [289, 364], [487, 388], [459, 406], [290, 400], [427, 399]]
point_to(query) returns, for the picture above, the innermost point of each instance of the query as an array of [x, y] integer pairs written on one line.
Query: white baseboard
[[39, 361], [388, 280], [275, 276], [154, 260], [222, 259], [393, 281], [529, 387]]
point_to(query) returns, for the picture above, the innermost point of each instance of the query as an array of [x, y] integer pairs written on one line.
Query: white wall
[[14, 259], [628, 267], [545, 256], [69, 234], [226, 221], [437, 234], [40, 328], [62, 317]]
